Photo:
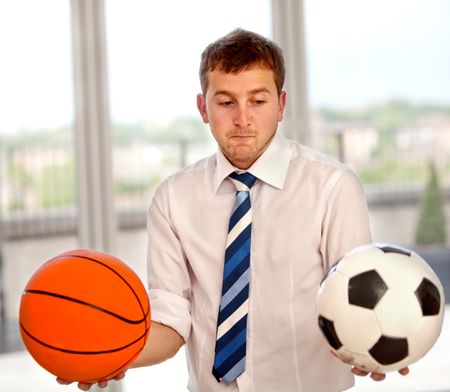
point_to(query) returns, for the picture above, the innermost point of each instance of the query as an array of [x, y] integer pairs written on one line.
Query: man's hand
[[377, 376], [87, 386], [163, 343]]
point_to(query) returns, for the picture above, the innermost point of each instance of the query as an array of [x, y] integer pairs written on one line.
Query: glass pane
[[154, 53], [154, 57], [37, 211], [379, 89]]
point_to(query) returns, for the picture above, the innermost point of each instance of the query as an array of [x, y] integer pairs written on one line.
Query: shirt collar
[[271, 167]]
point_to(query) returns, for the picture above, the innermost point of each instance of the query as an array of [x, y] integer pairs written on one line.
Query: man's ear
[[201, 106], [281, 105]]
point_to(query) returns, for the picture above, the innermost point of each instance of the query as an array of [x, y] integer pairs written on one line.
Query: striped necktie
[[230, 351]]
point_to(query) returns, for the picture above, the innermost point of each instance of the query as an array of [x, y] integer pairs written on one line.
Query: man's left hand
[[375, 375]]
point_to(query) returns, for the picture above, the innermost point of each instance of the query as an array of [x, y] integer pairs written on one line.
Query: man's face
[[243, 111]]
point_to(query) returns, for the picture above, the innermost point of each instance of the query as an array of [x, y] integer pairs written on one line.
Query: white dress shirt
[[307, 212]]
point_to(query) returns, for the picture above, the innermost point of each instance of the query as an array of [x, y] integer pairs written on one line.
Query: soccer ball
[[380, 307]]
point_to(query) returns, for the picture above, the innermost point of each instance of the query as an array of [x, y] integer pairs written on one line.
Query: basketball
[[84, 316]]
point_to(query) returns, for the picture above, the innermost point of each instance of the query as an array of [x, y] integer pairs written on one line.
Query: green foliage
[[56, 186], [16, 205], [181, 130], [393, 171], [393, 115], [36, 137], [127, 186], [18, 176], [124, 134], [387, 117], [431, 228]]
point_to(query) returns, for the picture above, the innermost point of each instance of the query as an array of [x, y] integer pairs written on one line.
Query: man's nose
[[242, 116]]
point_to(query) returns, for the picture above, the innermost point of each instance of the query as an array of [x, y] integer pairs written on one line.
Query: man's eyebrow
[[223, 92], [259, 90], [251, 92]]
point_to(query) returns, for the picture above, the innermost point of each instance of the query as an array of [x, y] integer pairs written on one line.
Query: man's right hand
[[86, 386], [163, 343]]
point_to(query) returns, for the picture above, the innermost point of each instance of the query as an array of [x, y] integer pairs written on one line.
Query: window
[[378, 81], [380, 97], [37, 180], [154, 54]]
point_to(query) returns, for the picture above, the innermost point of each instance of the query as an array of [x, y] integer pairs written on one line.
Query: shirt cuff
[[171, 310]]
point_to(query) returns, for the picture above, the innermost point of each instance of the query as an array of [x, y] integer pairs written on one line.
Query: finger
[[359, 372], [404, 371], [377, 376], [63, 382], [103, 384], [84, 386], [119, 377]]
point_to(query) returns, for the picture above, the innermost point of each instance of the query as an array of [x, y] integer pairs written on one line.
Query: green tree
[[431, 224], [19, 180], [56, 186], [181, 132]]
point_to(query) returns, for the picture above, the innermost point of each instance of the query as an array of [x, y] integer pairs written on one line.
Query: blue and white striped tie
[[230, 351]]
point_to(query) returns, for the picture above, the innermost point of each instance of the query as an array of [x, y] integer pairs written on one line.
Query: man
[[303, 213]]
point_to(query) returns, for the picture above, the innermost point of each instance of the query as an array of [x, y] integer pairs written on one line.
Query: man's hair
[[241, 50]]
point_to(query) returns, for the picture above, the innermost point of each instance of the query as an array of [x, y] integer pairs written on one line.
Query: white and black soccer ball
[[380, 307]]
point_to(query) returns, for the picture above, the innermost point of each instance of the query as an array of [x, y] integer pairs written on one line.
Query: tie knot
[[243, 181]]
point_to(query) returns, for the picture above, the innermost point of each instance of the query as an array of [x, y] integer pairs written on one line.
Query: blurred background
[[97, 106]]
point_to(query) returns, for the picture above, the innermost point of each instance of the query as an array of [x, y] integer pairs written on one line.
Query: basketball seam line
[[82, 352], [48, 293], [68, 255], [145, 313]]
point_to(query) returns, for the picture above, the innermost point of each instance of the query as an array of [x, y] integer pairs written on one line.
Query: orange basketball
[[84, 316]]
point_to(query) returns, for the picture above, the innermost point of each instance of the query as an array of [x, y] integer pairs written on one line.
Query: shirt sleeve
[[346, 219], [168, 276]]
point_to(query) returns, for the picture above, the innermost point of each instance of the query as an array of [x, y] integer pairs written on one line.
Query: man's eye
[[258, 101], [225, 103]]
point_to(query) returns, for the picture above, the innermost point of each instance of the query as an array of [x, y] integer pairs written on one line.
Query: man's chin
[[242, 162]]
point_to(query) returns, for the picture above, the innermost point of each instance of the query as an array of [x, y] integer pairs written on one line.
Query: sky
[[364, 51], [358, 52]]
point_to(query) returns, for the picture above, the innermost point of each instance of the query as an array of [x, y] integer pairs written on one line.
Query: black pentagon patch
[[429, 298], [327, 328], [366, 289], [394, 249], [389, 350]]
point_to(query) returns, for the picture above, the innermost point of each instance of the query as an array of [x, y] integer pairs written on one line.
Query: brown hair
[[241, 50]]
